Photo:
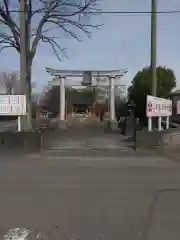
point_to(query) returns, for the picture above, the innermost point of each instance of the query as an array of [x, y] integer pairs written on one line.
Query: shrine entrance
[[100, 88], [80, 108], [87, 109]]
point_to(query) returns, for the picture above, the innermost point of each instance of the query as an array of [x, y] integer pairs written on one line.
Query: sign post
[[159, 123], [167, 122], [13, 105], [158, 107], [19, 124], [149, 124]]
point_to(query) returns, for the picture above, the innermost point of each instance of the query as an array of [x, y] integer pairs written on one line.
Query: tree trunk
[[29, 60], [28, 92], [29, 101]]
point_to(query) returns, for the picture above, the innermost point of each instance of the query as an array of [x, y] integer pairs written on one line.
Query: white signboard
[[12, 105], [158, 107]]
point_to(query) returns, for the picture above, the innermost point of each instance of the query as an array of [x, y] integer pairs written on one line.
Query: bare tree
[[45, 18], [10, 82]]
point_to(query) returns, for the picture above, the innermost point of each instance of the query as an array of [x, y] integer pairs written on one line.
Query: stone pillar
[[62, 122], [112, 114], [112, 100]]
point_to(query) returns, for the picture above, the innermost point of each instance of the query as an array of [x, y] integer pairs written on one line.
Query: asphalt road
[[121, 197]]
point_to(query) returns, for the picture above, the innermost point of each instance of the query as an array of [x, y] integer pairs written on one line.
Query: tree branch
[[8, 21], [83, 27], [6, 13], [71, 33], [7, 42], [55, 46], [10, 81], [38, 34], [59, 14]]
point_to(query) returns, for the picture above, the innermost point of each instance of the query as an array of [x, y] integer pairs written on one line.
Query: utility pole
[[28, 37], [23, 64], [153, 47]]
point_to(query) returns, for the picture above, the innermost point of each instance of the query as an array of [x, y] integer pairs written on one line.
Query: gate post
[[112, 113], [62, 104]]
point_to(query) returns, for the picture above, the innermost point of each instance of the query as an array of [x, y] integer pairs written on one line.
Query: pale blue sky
[[123, 42]]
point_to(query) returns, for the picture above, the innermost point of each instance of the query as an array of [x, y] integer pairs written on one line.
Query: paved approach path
[[87, 134]]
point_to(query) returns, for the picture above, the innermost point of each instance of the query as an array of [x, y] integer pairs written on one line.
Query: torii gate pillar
[[112, 113], [62, 104]]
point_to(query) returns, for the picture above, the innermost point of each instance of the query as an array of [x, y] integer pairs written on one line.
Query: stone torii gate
[[61, 75]]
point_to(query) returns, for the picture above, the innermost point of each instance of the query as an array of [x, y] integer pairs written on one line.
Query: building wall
[[175, 116]]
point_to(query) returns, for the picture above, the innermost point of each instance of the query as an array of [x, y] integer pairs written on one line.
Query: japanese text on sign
[[12, 105], [158, 107]]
